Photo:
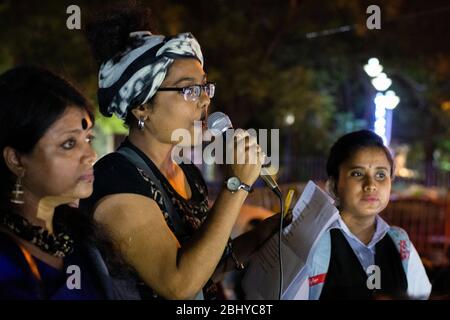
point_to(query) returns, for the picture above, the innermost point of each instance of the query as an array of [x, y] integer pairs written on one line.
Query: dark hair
[[348, 145], [108, 33], [32, 99]]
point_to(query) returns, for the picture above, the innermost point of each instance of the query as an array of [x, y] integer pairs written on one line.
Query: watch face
[[233, 184]]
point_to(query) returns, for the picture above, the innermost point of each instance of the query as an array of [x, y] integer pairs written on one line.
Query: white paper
[[313, 213]]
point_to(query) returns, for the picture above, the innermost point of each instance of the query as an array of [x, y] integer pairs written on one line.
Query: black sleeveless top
[[115, 174], [347, 280]]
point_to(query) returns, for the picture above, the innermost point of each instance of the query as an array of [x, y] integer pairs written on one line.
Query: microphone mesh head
[[219, 121]]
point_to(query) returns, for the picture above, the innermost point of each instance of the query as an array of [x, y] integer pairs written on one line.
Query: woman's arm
[[148, 244], [138, 226], [419, 286]]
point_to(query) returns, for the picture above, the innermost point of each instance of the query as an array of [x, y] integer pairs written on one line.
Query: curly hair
[[108, 32]]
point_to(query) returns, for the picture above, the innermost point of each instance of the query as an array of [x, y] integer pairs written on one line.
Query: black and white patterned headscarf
[[135, 77]]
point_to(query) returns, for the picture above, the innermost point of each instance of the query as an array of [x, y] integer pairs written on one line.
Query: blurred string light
[[289, 119], [381, 82], [389, 100], [373, 68], [384, 102], [347, 28]]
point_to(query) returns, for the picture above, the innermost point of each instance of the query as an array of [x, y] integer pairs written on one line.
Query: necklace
[[58, 245]]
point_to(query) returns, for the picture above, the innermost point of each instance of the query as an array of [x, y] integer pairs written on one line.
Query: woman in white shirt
[[361, 256]]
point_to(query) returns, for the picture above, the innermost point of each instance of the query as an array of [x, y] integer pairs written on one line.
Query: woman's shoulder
[[114, 174], [113, 163], [115, 170], [398, 233]]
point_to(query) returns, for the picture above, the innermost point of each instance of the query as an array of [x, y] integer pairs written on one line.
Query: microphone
[[220, 123]]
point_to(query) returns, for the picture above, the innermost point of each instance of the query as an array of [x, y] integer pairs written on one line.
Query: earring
[[17, 193], [141, 123]]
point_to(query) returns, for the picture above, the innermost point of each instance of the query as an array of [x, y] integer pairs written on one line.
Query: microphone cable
[[280, 234]]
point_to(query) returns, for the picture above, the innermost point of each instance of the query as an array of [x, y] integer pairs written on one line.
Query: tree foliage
[[265, 64]]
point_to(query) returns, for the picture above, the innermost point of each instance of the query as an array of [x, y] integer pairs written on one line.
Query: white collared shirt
[[419, 286], [365, 253]]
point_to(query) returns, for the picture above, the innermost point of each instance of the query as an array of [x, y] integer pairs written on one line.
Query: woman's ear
[[141, 112], [332, 187], [13, 161]]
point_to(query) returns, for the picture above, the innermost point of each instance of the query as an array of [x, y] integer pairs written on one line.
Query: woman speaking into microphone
[[156, 210]]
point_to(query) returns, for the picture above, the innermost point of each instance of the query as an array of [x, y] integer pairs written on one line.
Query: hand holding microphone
[[247, 158], [219, 123]]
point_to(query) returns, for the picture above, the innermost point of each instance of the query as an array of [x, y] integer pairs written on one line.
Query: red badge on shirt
[[320, 278], [404, 252]]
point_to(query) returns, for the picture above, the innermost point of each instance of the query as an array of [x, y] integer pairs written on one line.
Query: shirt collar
[[381, 228]]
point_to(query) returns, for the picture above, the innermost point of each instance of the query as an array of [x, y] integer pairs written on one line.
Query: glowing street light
[[389, 100], [373, 68], [384, 103], [381, 82], [392, 100]]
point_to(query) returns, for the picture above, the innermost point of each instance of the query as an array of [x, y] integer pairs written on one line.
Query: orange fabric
[[180, 188], [31, 263], [178, 182]]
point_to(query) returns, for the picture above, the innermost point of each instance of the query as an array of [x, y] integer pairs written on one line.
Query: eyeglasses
[[192, 93]]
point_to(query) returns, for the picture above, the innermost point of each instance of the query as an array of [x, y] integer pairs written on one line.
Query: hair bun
[[108, 32]]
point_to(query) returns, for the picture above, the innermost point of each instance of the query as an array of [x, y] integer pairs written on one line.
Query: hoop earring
[[141, 123], [17, 193]]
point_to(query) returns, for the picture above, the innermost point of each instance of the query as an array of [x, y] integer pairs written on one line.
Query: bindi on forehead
[[86, 123]]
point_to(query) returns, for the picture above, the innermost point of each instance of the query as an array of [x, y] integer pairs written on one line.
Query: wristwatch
[[233, 184]]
